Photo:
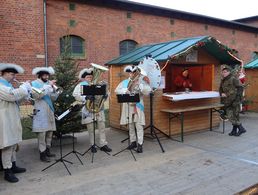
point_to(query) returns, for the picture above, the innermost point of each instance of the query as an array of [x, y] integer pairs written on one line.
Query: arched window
[[127, 46], [72, 44]]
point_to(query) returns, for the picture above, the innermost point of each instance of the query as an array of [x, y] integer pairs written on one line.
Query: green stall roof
[[251, 65], [174, 49]]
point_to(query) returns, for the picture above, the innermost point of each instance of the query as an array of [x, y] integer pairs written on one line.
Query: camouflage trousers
[[232, 113]]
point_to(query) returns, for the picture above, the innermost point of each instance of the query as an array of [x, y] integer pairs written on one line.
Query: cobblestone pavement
[[206, 163]]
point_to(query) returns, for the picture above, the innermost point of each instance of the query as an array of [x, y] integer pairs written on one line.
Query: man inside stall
[[183, 82]]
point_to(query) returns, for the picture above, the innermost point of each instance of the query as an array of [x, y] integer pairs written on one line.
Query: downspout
[[45, 31]]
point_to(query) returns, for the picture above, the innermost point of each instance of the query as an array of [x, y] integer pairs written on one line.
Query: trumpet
[[33, 88], [58, 89]]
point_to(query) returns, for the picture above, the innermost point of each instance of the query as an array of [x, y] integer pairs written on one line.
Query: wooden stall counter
[[185, 112], [177, 96]]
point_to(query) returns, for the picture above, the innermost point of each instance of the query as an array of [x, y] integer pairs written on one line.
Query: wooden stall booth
[[251, 93], [202, 56]]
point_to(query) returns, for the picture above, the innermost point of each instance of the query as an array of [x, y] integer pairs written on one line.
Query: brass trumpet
[[20, 83], [38, 91], [58, 89]]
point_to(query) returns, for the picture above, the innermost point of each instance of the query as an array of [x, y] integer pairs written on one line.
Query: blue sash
[[46, 98], [84, 83], [7, 84], [125, 85]]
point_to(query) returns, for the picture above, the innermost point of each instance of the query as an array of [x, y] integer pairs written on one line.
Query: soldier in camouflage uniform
[[230, 91]]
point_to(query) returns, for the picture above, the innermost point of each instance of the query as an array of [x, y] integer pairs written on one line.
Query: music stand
[[73, 111], [151, 125], [61, 159], [127, 98], [93, 90]]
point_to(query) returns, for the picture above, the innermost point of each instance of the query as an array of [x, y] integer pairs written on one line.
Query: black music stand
[[61, 159], [73, 111], [127, 98], [151, 126], [92, 90], [68, 113]]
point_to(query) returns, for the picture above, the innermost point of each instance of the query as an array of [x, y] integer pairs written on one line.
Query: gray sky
[[223, 9]]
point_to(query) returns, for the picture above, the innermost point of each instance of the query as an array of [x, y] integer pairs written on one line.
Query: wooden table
[[179, 113]]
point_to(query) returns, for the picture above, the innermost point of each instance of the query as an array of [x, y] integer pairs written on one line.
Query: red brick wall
[[102, 28], [21, 34]]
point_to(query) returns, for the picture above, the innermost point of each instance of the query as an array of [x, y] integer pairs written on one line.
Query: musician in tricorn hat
[[86, 77], [137, 82], [10, 123], [44, 118]]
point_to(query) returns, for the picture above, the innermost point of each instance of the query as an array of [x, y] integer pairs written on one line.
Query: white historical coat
[[44, 119], [139, 117], [87, 116], [10, 122]]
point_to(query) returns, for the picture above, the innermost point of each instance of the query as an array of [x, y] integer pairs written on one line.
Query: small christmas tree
[[65, 73]]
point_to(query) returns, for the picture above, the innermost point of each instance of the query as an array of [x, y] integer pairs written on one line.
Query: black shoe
[[49, 154], [44, 157], [234, 131], [16, 169], [132, 146], [241, 130], [139, 148], [106, 149], [9, 176], [93, 149]]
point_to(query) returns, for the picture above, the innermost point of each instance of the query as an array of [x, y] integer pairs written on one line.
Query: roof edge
[[170, 13]]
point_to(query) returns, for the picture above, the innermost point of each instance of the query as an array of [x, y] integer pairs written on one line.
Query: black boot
[[16, 169], [44, 157], [132, 145], [234, 131], [241, 130], [106, 149], [139, 148], [9, 176], [49, 154]]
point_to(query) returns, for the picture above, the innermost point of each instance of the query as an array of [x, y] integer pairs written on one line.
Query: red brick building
[[101, 28]]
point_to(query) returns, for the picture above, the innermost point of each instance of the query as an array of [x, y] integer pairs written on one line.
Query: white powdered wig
[[18, 68], [50, 70], [85, 70]]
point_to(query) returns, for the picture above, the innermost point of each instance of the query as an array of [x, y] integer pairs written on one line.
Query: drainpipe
[[45, 31]]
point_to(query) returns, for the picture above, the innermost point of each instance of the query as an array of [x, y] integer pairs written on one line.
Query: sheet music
[[63, 114]]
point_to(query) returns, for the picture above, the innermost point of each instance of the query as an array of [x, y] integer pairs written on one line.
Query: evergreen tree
[[66, 69]]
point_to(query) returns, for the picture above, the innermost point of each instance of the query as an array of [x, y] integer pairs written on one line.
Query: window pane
[[77, 45], [127, 46]]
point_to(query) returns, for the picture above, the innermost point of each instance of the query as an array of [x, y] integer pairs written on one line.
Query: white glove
[[122, 91], [48, 89], [26, 86]]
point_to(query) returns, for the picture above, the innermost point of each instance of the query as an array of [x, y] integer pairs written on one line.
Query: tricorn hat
[[84, 72], [134, 68], [43, 70], [6, 67]]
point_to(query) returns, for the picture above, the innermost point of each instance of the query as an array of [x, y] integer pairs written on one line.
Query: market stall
[[202, 57]]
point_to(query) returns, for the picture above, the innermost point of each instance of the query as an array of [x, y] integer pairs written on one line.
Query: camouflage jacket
[[232, 87]]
